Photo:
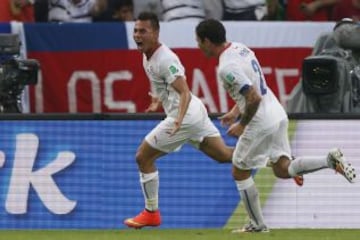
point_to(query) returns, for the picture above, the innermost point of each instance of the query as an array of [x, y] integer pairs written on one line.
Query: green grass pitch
[[182, 234]]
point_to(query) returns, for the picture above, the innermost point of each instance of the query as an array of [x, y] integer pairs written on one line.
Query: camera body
[[331, 77], [15, 73]]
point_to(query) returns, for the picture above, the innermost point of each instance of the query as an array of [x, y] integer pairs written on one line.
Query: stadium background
[[96, 69]]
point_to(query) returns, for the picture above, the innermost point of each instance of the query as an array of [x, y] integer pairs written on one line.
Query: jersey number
[[257, 69]]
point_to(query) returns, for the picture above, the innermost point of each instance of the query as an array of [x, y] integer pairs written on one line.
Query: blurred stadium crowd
[[178, 10]]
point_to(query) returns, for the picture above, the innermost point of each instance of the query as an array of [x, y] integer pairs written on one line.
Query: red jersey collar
[[226, 47]]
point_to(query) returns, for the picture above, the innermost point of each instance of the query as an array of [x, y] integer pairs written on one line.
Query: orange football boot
[[144, 219]]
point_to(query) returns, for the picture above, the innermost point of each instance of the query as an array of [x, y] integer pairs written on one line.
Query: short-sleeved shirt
[[238, 70], [162, 69]]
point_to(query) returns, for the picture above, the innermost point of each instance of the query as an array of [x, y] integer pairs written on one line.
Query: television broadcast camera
[[331, 75], [15, 73]]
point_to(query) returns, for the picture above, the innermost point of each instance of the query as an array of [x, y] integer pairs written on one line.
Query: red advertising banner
[[114, 81], [96, 68]]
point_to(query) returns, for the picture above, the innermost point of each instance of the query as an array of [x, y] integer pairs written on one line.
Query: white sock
[[150, 188], [304, 165], [250, 197]]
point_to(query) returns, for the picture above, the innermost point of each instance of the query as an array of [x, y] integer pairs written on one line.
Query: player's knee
[[280, 168], [240, 174], [145, 161], [140, 159], [280, 173]]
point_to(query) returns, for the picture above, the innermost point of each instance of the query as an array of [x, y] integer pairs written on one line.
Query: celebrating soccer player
[[186, 119], [262, 130]]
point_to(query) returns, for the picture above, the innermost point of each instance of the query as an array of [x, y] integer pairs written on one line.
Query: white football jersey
[[238, 70], [162, 69]]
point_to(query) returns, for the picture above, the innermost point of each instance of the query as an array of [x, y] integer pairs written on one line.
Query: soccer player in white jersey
[[262, 129], [186, 119]]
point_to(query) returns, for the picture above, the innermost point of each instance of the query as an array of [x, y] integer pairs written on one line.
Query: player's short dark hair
[[149, 16], [211, 29]]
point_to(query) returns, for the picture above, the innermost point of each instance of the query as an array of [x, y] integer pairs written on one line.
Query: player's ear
[[206, 42]]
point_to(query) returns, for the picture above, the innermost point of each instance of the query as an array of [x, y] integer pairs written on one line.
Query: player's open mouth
[[139, 44]]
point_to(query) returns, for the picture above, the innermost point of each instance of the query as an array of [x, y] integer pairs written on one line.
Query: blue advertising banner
[[81, 174], [76, 37]]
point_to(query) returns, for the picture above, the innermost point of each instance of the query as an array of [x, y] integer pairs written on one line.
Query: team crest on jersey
[[229, 78], [173, 69]]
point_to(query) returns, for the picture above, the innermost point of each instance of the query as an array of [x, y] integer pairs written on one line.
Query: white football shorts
[[195, 127], [255, 147]]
